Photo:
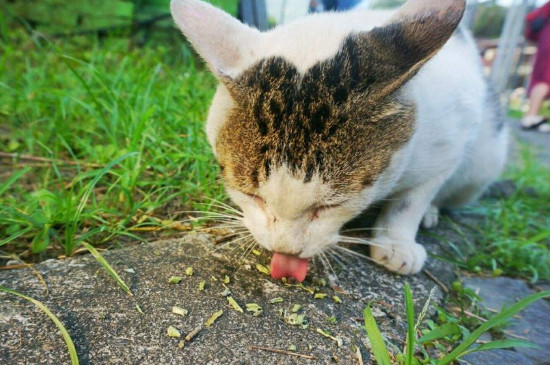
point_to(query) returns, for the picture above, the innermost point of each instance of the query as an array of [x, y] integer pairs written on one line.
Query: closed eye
[[323, 208], [257, 199]]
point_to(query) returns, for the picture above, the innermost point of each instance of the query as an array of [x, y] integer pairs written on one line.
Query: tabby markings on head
[[342, 119]]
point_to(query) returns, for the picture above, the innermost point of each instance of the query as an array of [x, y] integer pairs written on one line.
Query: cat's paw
[[431, 217], [398, 256]]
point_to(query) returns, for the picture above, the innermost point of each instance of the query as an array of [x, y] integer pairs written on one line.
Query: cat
[[317, 120]]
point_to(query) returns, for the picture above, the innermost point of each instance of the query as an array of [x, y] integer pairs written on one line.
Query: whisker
[[241, 238], [203, 214], [365, 229], [326, 260], [226, 207], [356, 254], [248, 250], [335, 257], [359, 241]]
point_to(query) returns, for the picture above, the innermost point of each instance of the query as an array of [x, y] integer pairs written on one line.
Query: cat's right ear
[[221, 40]]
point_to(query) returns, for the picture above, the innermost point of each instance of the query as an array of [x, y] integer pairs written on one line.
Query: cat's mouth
[[288, 266]]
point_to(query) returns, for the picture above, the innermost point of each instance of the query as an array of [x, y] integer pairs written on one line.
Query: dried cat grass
[[210, 321], [173, 332]]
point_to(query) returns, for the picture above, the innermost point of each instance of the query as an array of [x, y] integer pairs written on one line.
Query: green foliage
[[64, 17], [409, 307], [443, 335], [120, 136], [386, 4], [108, 268], [514, 239], [489, 20], [378, 345]]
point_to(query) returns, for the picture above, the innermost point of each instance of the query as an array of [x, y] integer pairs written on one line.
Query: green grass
[[445, 343], [514, 239], [512, 234], [121, 130]]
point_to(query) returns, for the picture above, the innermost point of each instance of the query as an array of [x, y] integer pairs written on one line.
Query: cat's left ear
[[390, 55], [221, 40]]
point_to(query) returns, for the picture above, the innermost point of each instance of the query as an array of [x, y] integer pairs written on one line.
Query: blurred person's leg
[[539, 87], [532, 119], [537, 97]]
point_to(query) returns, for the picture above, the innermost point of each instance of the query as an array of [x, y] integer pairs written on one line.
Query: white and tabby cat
[[315, 121]]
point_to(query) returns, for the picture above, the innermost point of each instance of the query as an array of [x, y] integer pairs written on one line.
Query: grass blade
[[447, 329], [68, 341], [502, 344], [89, 188], [492, 322], [379, 348], [539, 237], [107, 267], [14, 236], [13, 178], [409, 306]]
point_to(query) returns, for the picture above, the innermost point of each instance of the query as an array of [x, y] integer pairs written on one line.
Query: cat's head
[[309, 124]]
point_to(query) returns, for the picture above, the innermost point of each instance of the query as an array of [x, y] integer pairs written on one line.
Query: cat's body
[[317, 120]]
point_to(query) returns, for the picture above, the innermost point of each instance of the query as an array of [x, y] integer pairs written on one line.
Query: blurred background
[[143, 22], [102, 110]]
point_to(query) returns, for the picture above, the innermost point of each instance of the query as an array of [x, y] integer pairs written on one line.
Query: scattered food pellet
[[214, 278], [292, 348], [181, 344], [234, 304], [201, 285], [131, 271], [261, 268], [336, 299], [175, 279], [193, 333], [256, 252], [276, 300], [180, 311], [295, 319], [210, 321], [226, 292], [320, 282], [338, 340], [138, 308], [172, 332], [320, 295], [310, 290], [189, 271], [296, 308], [226, 279], [254, 308]]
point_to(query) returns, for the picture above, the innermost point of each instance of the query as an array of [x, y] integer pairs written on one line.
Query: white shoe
[[532, 121]]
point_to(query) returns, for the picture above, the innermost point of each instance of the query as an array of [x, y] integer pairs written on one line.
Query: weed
[[448, 334]]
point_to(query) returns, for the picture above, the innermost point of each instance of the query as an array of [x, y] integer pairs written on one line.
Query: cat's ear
[[394, 52], [221, 40]]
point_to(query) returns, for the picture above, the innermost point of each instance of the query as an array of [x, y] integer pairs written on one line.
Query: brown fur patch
[[342, 119]]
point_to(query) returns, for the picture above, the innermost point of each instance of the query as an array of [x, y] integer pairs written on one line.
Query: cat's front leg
[[394, 245]]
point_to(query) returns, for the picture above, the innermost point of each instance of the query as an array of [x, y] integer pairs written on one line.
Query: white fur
[[454, 153]]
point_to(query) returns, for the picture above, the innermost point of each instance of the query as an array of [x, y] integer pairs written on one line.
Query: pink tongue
[[288, 266]]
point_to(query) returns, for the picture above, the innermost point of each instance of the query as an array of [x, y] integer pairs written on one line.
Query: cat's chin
[[288, 266]]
